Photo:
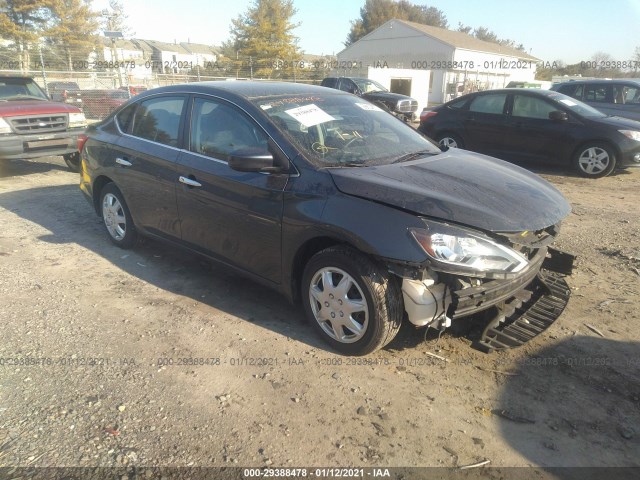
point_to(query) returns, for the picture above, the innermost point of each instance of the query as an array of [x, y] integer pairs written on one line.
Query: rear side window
[[158, 120], [458, 105], [596, 93], [574, 91], [624, 94], [123, 119], [330, 82], [489, 104], [346, 85]]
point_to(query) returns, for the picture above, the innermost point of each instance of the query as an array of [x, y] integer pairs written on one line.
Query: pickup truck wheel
[[354, 304], [73, 161], [116, 217]]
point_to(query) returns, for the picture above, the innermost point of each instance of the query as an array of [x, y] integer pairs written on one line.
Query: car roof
[[601, 82], [18, 76], [246, 89], [524, 91]]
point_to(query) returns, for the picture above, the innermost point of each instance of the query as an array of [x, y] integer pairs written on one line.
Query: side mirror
[[252, 160], [558, 116]]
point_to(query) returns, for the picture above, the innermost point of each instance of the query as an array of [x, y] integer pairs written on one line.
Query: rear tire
[[73, 161], [594, 160], [117, 218], [355, 305]]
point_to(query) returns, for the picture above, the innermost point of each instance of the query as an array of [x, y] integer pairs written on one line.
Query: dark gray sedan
[[336, 204]]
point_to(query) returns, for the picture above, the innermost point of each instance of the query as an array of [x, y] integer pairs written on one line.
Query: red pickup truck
[[33, 126]]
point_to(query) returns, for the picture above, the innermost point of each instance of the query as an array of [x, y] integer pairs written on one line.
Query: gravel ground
[[153, 357]]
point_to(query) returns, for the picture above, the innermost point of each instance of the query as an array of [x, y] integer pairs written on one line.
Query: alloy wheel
[[593, 160]]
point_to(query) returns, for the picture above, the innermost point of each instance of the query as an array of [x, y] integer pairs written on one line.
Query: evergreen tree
[[73, 30], [376, 12], [263, 38], [23, 22]]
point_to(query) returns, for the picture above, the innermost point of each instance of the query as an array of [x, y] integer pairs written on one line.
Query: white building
[[459, 63]]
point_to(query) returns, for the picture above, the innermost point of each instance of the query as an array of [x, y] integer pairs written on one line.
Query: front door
[[233, 216]]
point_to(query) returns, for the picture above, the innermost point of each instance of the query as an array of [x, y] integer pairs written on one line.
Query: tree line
[[261, 40], [65, 29]]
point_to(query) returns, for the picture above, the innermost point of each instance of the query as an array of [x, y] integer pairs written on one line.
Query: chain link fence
[[101, 80]]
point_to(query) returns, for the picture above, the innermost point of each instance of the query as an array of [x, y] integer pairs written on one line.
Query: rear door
[[233, 216], [599, 96], [626, 101], [145, 163], [484, 123]]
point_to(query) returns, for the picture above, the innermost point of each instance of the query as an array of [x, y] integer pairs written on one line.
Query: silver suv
[[619, 98]]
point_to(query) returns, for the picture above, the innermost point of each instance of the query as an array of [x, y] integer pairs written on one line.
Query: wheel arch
[[98, 185], [304, 253]]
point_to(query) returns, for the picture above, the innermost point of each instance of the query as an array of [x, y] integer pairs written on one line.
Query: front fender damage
[[519, 308]]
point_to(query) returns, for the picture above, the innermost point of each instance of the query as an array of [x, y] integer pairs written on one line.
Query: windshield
[[343, 130], [367, 86], [576, 106], [20, 88]]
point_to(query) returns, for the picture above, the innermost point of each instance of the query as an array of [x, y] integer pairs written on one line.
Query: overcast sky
[[570, 30]]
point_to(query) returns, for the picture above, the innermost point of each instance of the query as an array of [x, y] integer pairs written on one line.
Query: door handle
[[189, 182], [123, 162]]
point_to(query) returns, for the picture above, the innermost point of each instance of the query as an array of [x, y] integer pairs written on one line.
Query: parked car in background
[[398, 104], [135, 89], [66, 92], [335, 204], [613, 97], [33, 126], [541, 126], [99, 103], [530, 84]]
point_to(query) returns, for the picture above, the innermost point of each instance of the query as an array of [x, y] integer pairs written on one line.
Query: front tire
[[355, 305], [594, 160], [117, 218], [73, 161]]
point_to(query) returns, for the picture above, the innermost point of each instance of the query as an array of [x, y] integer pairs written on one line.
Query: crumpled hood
[[461, 187]]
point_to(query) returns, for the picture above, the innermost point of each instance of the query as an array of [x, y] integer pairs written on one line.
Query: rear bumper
[[39, 145]]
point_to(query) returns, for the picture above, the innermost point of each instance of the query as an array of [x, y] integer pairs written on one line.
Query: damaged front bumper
[[524, 305]]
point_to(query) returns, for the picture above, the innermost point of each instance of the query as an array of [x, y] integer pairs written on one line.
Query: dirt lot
[[103, 320]]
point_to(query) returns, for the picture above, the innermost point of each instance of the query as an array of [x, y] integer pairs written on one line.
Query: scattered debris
[[475, 465], [594, 329], [436, 356], [450, 451], [511, 374]]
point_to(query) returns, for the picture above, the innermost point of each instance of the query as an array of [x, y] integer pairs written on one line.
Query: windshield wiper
[[414, 155]]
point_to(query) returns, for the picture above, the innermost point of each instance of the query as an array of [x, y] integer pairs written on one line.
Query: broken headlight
[[461, 251]]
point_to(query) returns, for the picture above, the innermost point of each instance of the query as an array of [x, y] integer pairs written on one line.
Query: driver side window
[[218, 129]]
